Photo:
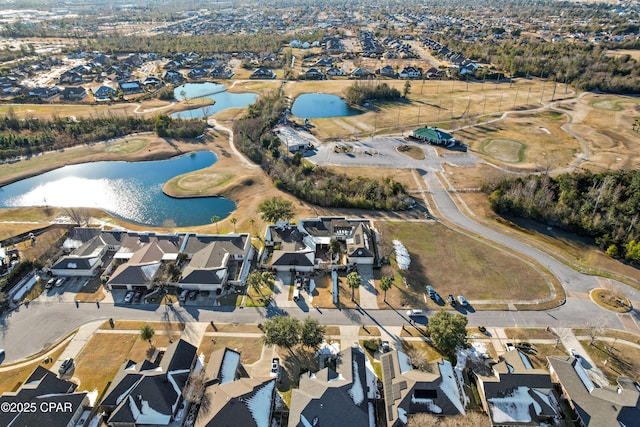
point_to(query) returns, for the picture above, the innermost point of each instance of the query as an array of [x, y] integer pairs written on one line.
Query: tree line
[[314, 184], [604, 206], [29, 136], [360, 92]]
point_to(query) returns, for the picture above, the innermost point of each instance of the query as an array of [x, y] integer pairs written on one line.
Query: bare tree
[[595, 330], [78, 215], [195, 391]]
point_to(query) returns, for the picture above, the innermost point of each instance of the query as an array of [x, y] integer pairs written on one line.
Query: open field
[[456, 264]]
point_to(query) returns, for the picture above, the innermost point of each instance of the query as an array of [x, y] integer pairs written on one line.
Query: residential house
[[234, 400], [104, 93], [221, 72], [386, 71], [313, 74], [131, 87], [514, 393], [360, 73], [409, 391], [147, 393], [73, 93], [263, 73], [70, 78], [339, 394], [595, 406], [173, 76], [43, 389], [324, 62], [43, 93], [152, 82], [335, 71], [410, 73], [197, 73]]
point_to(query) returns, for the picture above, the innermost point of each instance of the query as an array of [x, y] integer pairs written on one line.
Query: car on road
[[415, 313], [431, 292], [1, 354], [66, 365], [137, 296], [275, 367], [451, 300], [128, 297], [462, 300]]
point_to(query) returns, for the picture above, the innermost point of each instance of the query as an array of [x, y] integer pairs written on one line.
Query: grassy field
[[250, 348], [454, 263], [614, 359]]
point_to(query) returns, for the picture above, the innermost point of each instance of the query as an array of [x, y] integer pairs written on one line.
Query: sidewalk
[[77, 343], [569, 341]]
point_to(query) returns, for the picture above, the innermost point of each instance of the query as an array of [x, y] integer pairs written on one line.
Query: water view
[[215, 91], [128, 190], [318, 105]]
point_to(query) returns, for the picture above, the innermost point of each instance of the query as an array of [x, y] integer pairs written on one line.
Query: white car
[[462, 300], [128, 297], [415, 313], [574, 353]]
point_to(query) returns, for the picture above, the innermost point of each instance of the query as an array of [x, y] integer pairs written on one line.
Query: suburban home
[[73, 93], [235, 400], [197, 73], [514, 393], [410, 73], [147, 393], [173, 76], [386, 71], [335, 71], [304, 247], [313, 74], [70, 78], [360, 73], [221, 72], [595, 406], [339, 394], [104, 93], [44, 389], [152, 82], [43, 93], [263, 73], [409, 391], [131, 87]]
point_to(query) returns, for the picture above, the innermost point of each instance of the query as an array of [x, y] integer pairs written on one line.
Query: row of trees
[[317, 185], [286, 331], [361, 92], [605, 206], [26, 137]]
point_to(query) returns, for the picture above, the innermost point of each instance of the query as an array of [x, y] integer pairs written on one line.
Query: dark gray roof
[[292, 258], [606, 406], [73, 263], [329, 399], [232, 243], [179, 356], [119, 387]]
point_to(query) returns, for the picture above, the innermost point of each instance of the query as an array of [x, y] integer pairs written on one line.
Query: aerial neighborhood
[[333, 213]]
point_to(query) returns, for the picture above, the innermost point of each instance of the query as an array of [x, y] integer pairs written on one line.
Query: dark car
[[451, 300], [193, 295], [66, 365], [431, 292], [275, 367], [137, 296]]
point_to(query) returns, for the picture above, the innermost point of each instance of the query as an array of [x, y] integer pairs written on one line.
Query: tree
[[80, 216], [385, 284], [215, 219], [147, 332], [334, 248], [252, 222], [353, 281], [407, 89], [283, 331], [233, 221], [195, 391], [312, 333], [276, 209], [448, 332], [257, 279]]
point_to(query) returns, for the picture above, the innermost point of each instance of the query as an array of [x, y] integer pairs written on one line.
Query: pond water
[[128, 190], [318, 105], [215, 91]]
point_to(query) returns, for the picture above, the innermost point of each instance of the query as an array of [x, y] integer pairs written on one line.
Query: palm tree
[[385, 284], [147, 333], [353, 281], [215, 219], [252, 221], [233, 221]]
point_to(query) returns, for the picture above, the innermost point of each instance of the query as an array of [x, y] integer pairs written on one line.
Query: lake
[[215, 91], [128, 190], [318, 105]]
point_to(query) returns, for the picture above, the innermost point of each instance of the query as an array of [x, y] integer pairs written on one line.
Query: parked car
[[137, 296], [451, 300], [415, 313], [183, 295], [59, 282], [275, 367], [50, 283], [509, 346], [574, 353], [385, 347], [66, 365], [193, 295], [431, 292], [1, 354], [128, 297], [462, 300]]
